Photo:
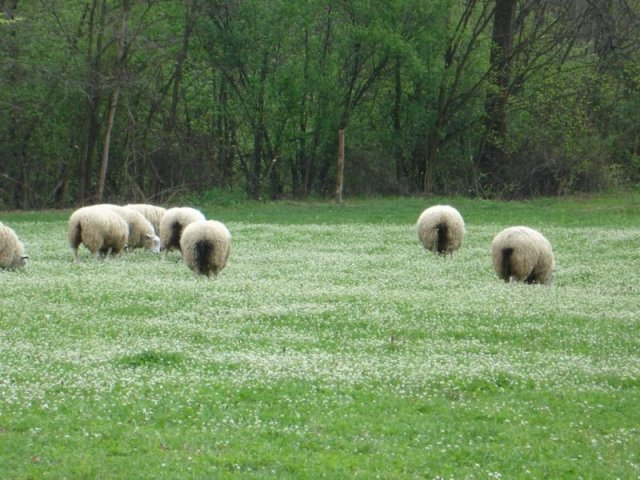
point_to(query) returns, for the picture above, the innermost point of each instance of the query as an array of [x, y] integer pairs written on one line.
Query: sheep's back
[[174, 222], [139, 227], [152, 213], [100, 226], [431, 218], [216, 235], [531, 253]]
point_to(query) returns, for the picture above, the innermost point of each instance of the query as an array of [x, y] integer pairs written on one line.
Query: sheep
[[152, 213], [441, 229], [174, 222], [141, 233], [12, 254], [524, 255], [100, 229], [206, 246]]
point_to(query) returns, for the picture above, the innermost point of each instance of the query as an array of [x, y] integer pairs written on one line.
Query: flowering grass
[[332, 346]]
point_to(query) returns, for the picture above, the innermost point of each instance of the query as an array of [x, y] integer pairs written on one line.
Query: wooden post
[[340, 173]]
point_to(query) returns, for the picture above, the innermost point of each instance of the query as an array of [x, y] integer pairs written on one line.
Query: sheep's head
[[17, 261], [152, 242]]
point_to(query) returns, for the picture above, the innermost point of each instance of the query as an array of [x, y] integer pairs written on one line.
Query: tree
[[113, 103], [151, 99], [532, 41], [454, 94], [493, 158]]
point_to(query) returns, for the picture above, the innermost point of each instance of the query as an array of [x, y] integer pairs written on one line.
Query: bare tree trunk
[[493, 160], [104, 157], [191, 17], [113, 105], [225, 137], [95, 30], [430, 159], [259, 133], [256, 160], [299, 164], [397, 123], [340, 172], [433, 142]]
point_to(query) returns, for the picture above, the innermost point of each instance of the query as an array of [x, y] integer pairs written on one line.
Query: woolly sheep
[[141, 234], [522, 254], [12, 253], [206, 246], [174, 222], [152, 213], [99, 228], [441, 229]]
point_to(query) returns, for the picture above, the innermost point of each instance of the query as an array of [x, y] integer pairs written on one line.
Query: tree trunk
[[259, 133], [493, 161], [430, 159], [434, 137], [113, 105], [225, 137], [299, 166], [104, 157], [95, 30], [340, 172], [254, 170], [397, 124]]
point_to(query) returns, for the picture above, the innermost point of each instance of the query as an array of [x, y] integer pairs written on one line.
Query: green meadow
[[332, 346]]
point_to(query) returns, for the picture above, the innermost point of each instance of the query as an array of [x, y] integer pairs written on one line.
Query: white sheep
[[441, 229], [153, 213], [12, 254], [141, 233], [174, 222], [206, 246], [522, 254], [100, 229]]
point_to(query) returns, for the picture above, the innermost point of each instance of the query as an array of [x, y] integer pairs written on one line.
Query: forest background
[[123, 100]]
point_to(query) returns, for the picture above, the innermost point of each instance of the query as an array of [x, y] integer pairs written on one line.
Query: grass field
[[332, 346]]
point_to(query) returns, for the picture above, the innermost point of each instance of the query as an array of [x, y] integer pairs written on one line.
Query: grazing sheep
[[152, 213], [141, 234], [522, 254], [11, 249], [99, 228], [441, 229], [206, 246], [174, 222]]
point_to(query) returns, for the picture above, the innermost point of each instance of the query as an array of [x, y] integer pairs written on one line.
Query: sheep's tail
[[442, 232], [174, 238], [203, 251], [506, 263], [75, 236], [75, 239]]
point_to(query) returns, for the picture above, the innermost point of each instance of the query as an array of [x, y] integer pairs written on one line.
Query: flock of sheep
[[107, 230], [519, 254]]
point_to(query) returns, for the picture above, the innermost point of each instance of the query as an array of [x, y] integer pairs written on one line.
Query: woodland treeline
[[142, 100]]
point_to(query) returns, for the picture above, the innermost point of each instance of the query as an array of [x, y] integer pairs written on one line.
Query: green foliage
[[250, 95]]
